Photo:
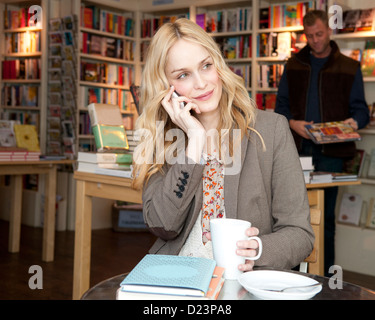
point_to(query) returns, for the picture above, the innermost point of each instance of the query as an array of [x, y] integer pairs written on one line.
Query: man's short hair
[[312, 15]]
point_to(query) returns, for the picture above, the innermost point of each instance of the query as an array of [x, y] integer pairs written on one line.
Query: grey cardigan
[[269, 191]]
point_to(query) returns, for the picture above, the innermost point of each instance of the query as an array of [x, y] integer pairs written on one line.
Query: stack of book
[[18, 154], [328, 177], [114, 164], [163, 277], [112, 156]]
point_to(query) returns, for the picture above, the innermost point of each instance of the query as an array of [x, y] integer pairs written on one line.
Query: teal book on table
[[168, 274]]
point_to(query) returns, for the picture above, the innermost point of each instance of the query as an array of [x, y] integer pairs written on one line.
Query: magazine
[[331, 132]]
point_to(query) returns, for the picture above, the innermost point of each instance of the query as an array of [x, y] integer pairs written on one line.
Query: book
[[284, 41], [306, 162], [355, 54], [7, 136], [27, 137], [343, 176], [368, 63], [321, 177], [169, 274], [107, 127], [105, 157], [350, 209], [350, 19], [366, 21], [93, 167], [355, 164], [107, 171], [214, 289], [331, 132]]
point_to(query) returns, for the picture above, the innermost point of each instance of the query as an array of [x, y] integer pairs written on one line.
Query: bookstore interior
[[62, 62]]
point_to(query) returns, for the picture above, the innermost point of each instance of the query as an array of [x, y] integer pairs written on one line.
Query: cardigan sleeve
[[167, 198], [291, 237]]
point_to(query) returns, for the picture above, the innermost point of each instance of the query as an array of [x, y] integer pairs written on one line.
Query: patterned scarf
[[213, 193]]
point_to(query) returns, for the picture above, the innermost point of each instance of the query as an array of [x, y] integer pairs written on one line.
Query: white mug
[[224, 235]]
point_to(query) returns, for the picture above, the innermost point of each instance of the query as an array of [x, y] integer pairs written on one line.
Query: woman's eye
[[182, 76], [207, 65]]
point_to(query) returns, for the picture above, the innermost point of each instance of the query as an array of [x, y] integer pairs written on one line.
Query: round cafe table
[[232, 290]]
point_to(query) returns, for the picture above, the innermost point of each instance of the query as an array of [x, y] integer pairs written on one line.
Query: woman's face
[[191, 71]]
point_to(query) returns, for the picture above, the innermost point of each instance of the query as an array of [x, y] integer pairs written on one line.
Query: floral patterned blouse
[[212, 208]]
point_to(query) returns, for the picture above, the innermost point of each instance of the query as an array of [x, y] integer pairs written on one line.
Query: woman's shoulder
[[269, 120]]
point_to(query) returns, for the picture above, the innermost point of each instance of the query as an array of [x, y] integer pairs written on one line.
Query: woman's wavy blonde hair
[[236, 107]]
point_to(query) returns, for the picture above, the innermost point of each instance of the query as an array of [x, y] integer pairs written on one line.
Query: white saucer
[[257, 281]]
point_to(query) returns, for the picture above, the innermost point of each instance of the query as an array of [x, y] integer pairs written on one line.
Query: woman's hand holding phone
[[186, 121]]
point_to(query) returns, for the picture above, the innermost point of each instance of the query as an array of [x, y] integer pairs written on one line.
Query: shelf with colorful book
[[231, 25], [23, 44], [107, 63]]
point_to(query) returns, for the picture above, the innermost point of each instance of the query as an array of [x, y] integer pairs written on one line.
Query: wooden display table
[[16, 169], [315, 193], [115, 188], [93, 185]]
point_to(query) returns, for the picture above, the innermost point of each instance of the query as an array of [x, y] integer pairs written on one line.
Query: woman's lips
[[205, 96]]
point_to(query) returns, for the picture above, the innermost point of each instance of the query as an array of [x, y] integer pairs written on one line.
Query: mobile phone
[[176, 95]]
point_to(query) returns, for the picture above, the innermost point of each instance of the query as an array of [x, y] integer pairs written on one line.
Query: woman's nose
[[200, 82]]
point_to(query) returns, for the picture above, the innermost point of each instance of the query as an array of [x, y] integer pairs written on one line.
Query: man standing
[[320, 84]]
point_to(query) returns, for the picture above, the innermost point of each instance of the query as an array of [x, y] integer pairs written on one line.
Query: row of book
[[281, 45], [269, 75], [20, 95], [121, 98], [22, 42], [21, 69], [106, 46], [19, 18], [358, 20], [284, 15], [288, 15], [96, 18], [235, 47], [150, 24], [22, 116], [227, 20], [108, 73], [244, 71]]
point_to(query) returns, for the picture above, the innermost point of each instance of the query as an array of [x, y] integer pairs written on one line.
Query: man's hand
[[299, 127], [352, 123]]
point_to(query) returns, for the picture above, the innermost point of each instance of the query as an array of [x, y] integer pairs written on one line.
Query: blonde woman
[[227, 159]]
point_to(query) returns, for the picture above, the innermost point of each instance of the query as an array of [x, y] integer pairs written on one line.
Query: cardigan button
[[182, 188], [183, 181], [178, 194], [186, 175]]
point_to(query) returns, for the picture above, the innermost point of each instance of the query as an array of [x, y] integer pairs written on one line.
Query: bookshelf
[[107, 63], [344, 245], [23, 65]]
